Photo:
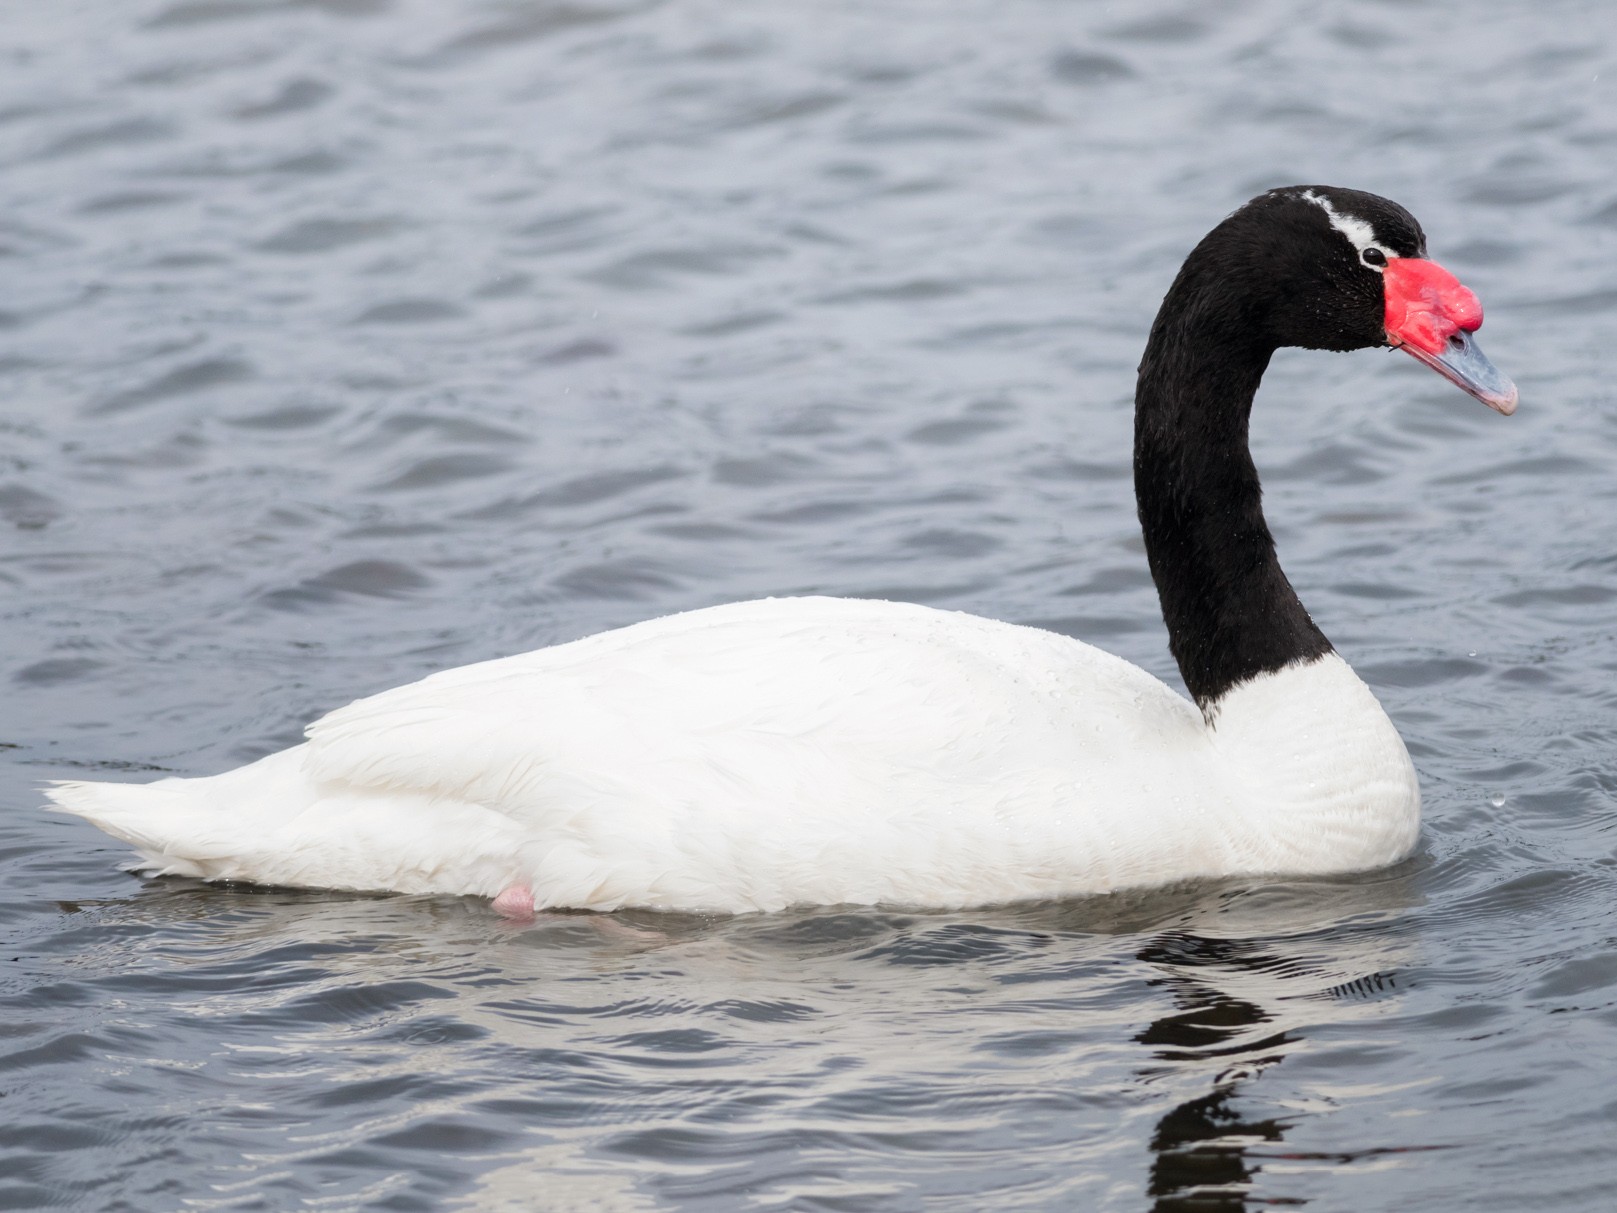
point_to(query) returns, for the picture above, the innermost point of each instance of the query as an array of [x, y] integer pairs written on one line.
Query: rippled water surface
[[345, 340]]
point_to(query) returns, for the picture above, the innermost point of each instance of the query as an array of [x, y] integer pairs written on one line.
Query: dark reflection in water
[[1201, 1159], [1200, 1146], [345, 341]]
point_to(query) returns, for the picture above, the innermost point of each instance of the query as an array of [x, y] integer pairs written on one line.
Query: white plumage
[[789, 751]]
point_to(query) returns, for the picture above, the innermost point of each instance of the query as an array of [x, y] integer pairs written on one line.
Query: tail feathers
[[153, 819], [269, 823]]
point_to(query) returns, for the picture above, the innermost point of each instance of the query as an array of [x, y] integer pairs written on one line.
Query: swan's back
[[870, 685]]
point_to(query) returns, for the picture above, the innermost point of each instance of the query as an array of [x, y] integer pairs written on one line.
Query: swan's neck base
[[1313, 746]]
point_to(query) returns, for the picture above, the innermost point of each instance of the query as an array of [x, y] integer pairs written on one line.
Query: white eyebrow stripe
[[1359, 233]]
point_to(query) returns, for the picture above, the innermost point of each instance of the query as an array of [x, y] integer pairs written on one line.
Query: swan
[[795, 751]]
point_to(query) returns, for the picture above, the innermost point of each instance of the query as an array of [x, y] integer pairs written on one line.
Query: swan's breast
[[1330, 783]]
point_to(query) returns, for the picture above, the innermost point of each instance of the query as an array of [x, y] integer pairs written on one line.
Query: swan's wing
[[775, 699]]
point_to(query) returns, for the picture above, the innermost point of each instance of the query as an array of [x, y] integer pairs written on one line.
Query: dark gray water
[[345, 340]]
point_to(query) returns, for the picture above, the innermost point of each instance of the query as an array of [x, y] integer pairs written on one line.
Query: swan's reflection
[[1200, 1155], [1199, 1148], [635, 1062], [1241, 1005]]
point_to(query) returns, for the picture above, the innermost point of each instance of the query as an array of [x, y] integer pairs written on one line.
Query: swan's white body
[[795, 751]]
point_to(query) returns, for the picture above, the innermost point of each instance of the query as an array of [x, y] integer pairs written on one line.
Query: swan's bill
[[1463, 364], [1431, 315]]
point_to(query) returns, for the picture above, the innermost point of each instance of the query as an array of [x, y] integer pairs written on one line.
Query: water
[[344, 340]]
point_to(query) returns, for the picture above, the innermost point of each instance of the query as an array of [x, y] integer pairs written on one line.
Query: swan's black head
[[1328, 268], [1312, 258]]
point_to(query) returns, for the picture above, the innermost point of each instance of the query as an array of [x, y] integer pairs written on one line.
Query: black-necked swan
[[823, 750]]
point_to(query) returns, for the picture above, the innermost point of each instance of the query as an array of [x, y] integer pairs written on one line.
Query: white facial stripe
[[1359, 233]]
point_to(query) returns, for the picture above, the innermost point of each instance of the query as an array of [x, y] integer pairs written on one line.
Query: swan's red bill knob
[[1432, 316]]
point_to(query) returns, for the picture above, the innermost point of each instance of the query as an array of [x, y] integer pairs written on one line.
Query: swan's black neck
[[1230, 611]]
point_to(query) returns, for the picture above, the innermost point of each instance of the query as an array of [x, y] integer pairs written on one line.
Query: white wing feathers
[[775, 698]]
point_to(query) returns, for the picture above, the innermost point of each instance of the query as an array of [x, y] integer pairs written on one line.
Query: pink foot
[[515, 902]]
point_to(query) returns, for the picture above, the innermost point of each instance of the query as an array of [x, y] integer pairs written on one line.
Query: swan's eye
[[1374, 256]]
